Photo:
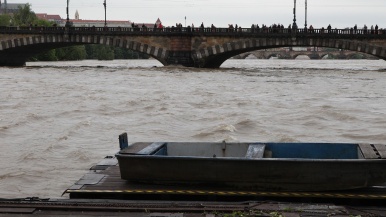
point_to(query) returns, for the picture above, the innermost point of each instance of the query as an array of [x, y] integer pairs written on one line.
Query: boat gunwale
[[359, 160]]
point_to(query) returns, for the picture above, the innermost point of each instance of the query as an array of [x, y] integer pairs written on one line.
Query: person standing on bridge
[[230, 27], [213, 28], [355, 29], [365, 29], [329, 28], [311, 29], [376, 29]]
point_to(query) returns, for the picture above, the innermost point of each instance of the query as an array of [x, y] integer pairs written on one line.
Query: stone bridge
[[202, 47], [283, 54]]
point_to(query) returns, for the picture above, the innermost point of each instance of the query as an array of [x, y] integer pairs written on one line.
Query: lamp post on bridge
[[294, 26], [68, 24], [104, 4], [305, 24]]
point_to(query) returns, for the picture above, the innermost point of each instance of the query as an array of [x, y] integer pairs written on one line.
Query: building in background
[[53, 18], [77, 22], [9, 8]]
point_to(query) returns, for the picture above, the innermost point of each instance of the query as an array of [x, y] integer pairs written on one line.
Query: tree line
[[26, 17]]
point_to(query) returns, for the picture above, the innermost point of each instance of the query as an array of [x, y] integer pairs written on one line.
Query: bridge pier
[[12, 60], [183, 58], [12, 63]]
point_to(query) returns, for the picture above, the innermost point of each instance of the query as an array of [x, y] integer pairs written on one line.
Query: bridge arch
[[16, 51], [355, 56], [299, 54], [326, 55], [250, 56], [272, 55], [214, 56]]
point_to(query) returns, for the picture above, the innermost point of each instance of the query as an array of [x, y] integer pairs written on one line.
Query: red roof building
[[54, 18], [77, 22]]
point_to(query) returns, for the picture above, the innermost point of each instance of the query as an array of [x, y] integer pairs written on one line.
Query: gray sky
[[338, 13]]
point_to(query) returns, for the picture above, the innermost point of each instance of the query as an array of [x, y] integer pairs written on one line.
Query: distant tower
[[76, 15], [158, 21], [5, 7]]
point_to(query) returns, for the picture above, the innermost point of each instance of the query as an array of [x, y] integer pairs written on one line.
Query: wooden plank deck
[[102, 192], [135, 148], [373, 151]]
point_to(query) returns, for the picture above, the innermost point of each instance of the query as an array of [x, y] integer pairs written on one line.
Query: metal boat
[[258, 166]]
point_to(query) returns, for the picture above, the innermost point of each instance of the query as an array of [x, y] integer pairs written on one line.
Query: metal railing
[[184, 30]]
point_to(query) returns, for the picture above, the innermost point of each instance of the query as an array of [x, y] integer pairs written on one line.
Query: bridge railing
[[343, 31], [31, 29], [183, 30]]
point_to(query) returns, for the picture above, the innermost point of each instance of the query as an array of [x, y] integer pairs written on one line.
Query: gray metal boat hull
[[257, 166], [262, 174]]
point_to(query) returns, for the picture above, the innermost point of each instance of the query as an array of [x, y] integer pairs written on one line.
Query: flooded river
[[58, 119]]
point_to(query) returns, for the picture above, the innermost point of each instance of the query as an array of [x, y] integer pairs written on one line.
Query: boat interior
[[254, 150]]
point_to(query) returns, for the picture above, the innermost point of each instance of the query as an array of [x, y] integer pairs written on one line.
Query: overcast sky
[[338, 13]]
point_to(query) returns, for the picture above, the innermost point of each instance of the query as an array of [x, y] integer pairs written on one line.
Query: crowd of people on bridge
[[232, 28], [279, 28], [255, 28], [274, 28], [355, 30], [373, 30]]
